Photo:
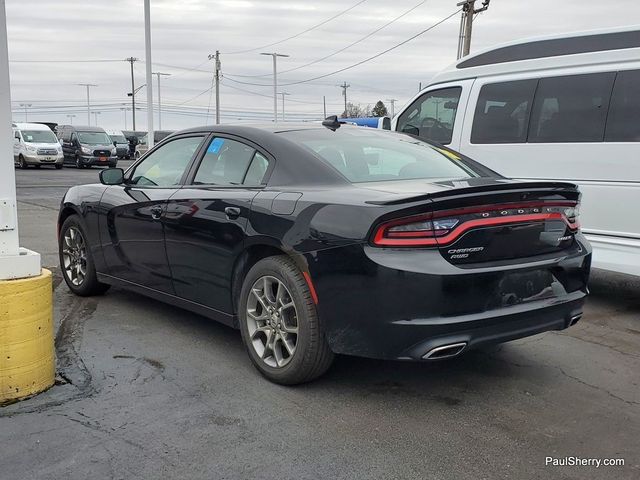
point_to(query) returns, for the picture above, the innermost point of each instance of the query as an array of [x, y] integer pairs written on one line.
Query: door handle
[[232, 212], [156, 212]]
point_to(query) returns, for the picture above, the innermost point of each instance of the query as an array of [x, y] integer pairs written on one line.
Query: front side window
[[367, 155], [624, 112], [229, 162], [432, 115], [165, 166], [571, 108], [502, 112]]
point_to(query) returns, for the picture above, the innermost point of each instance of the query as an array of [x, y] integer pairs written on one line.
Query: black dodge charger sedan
[[317, 240]]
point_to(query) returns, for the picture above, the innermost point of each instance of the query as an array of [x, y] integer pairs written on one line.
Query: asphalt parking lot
[[150, 391]]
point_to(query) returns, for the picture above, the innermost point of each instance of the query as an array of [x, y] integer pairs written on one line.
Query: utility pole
[[159, 101], [324, 106], [216, 77], [392, 102], [70, 117], [95, 117], [131, 60], [283, 95], [344, 87], [26, 115], [88, 85], [275, 83], [124, 109], [149, 78], [466, 24]]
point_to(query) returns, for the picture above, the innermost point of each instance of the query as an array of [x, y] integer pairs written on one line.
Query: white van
[[556, 108], [35, 144]]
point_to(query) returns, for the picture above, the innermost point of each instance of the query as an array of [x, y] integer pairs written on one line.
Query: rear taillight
[[446, 226]]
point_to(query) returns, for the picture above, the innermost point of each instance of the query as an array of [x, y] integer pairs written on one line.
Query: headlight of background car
[[86, 150], [31, 148]]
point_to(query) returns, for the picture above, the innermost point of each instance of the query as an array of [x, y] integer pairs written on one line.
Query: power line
[[297, 34], [362, 39], [358, 63], [64, 61]]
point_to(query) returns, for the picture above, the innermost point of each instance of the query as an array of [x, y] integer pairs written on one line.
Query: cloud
[[185, 32]]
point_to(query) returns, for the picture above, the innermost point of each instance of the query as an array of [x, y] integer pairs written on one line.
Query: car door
[[132, 233], [206, 220]]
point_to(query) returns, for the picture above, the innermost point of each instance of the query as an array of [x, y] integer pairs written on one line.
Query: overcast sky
[[51, 42]]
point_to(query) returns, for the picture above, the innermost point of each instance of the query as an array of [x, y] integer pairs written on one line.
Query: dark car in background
[[315, 241], [85, 147]]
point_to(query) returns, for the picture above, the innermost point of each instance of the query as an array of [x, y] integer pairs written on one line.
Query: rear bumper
[[400, 304]]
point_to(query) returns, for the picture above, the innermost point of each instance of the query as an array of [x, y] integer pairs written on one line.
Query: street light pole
[[147, 62], [124, 109], [275, 83], [159, 100], [70, 117], [26, 106], [88, 100], [131, 60], [95, 117]]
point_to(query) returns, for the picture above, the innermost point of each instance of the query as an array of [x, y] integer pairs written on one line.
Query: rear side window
[[229, 162], [432, 115], [571, 108], [502, 112], [623, 124]]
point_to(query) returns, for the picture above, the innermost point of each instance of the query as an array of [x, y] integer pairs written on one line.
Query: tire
[[58, 167], [79, 163], [311, 356], [21, 163], [37, 166], [89, 285]]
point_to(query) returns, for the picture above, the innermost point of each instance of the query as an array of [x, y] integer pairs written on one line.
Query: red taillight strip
[[481, 222]]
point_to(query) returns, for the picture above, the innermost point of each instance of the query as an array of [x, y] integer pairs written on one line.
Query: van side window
[[571, 108], [502, 112], [432, 115], [624, 112]]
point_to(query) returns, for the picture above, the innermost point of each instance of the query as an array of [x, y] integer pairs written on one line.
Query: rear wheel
[[76, 261], [21, 162], [279, 323]]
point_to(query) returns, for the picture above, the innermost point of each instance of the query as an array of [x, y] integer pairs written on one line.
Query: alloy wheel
[[272, 321], [74, 256]]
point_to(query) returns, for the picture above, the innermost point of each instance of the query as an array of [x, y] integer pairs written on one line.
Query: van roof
[[81, 128], [31, 126], [620, 44]]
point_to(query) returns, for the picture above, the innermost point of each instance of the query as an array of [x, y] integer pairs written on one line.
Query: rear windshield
[[94, 138], [366, 155], [39, 136]]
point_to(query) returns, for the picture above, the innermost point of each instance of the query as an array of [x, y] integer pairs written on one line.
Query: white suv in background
[[35, 144]]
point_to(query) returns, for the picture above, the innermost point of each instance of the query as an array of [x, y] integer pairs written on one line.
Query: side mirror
[[112, 176], [411, 130]]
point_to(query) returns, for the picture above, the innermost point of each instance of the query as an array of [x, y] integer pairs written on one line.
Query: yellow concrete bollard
[[27, 361]]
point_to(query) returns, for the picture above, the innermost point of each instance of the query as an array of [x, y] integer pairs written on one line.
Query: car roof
[[31, 126], [263, 127], [82, 128]]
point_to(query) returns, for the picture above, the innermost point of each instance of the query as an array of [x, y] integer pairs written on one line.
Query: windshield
[[39, 136], [94, 138], [118, 139], [366, 155]]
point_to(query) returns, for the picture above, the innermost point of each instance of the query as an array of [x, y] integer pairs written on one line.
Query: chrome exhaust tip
[[445, 351], [575, 319]]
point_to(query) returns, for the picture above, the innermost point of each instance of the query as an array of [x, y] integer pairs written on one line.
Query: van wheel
[[38, 166], [58, 166], [21, 163], [79, 162], [279, 322]]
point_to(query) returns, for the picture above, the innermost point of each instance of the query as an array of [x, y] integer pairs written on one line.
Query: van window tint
[[624, 112], [432, 115], [571, 108], [502, 112]]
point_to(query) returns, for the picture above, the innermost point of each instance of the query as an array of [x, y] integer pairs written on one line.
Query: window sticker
[[214, 147]]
